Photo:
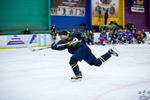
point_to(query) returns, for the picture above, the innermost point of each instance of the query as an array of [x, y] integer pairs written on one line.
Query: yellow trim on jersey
[[102, 59], [68, 34], [74, 66], [70, 43]]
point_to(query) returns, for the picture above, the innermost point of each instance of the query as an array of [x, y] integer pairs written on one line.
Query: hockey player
[[130, 37], [90, 37], [75, 44], [138, 37], [144, 36], [113, 36], [120, 34], [103, 38], [124, 36]]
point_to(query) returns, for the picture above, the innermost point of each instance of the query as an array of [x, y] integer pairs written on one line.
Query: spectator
[[138, 37], [144, 36], [129, 25], [90, 37], [53, 32], [103, 38], [124, 36], [115, 36], [27, 31], [120, 36], [133, 29], [130, 36]]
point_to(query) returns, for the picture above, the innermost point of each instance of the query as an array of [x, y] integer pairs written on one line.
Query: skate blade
[[117, 51], [76, 80]]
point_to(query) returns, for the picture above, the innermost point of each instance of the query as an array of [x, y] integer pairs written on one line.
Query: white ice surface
[[45, 75]]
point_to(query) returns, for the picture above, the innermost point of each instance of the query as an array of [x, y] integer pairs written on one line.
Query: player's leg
[[75, 68], [92, 60], [74, 65], [78, 56], [100, 60]]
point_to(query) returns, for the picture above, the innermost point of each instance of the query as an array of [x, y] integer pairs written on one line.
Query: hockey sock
[[105, 57], [101, 59], [75, 69]]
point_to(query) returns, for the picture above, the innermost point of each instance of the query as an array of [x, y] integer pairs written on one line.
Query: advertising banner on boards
[[9, 41]]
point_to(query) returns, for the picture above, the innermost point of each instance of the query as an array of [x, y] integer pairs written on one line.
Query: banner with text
[[137, 6]]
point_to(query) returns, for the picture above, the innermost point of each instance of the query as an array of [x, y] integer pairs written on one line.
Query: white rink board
[[8, 41]]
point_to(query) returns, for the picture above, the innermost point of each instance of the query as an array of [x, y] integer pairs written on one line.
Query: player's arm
[[58, 46]]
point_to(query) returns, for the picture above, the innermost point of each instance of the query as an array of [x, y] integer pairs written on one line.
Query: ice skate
[[113, 52], [78, 77]]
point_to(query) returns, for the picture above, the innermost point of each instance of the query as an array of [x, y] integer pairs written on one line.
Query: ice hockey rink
[[45, 75]]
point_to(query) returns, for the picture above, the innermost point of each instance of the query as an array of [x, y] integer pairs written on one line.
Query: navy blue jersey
[[80, 51], [103, 35], [72, 47], [113, 35], [120, 34], [129, 35]]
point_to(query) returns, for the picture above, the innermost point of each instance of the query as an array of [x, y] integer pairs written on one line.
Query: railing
[[20, 32], [58, 28], [107, 27], [71, 27]]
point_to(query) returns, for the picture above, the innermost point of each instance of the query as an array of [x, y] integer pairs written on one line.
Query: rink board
[[19, 41]]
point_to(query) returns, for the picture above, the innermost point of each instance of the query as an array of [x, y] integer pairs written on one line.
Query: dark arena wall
[[141, 20], [19, 14]]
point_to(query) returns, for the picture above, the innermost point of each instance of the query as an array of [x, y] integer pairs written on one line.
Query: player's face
[[63, 37]]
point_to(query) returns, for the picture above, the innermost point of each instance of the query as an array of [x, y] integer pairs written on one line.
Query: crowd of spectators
[[129, 35], [122, 36]]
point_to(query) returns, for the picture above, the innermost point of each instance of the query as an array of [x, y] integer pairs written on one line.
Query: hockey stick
[[40, 49], [75, 41], [72, 42], [37, 49]]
